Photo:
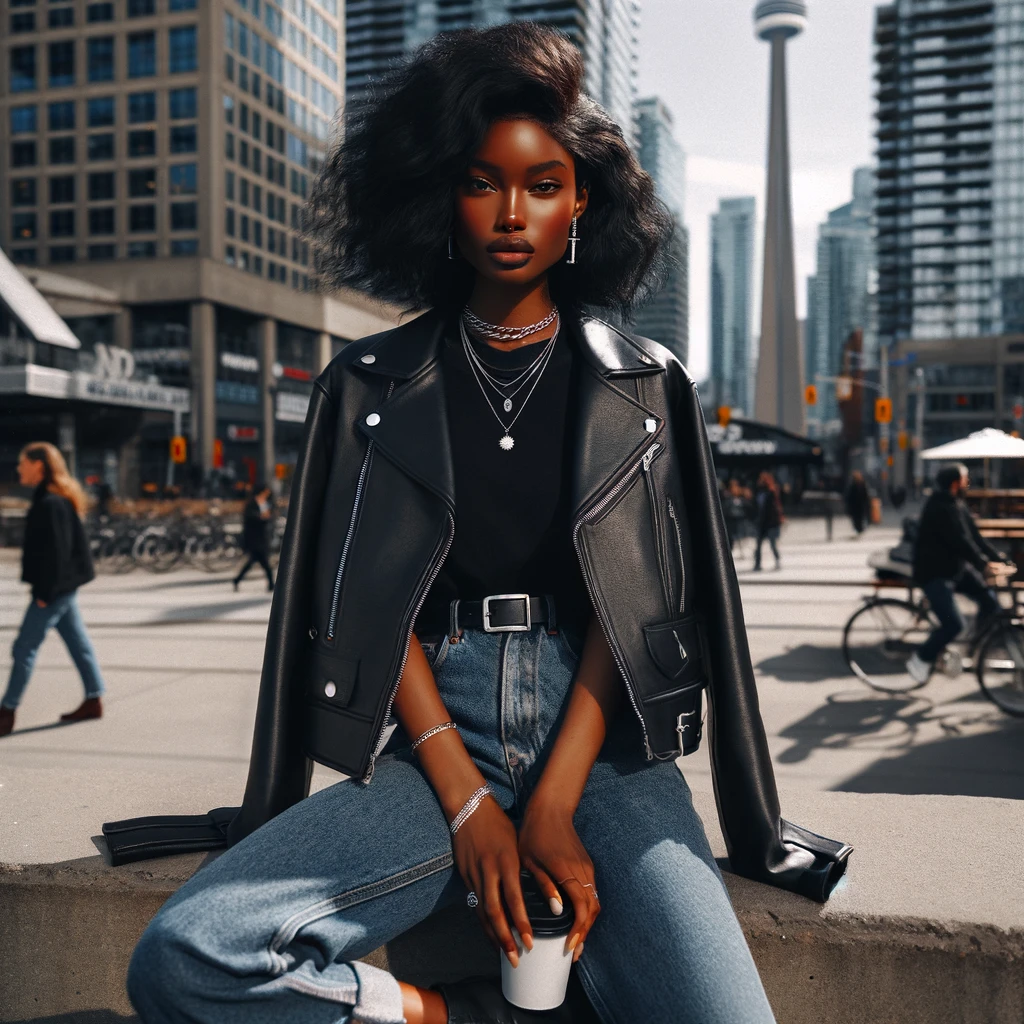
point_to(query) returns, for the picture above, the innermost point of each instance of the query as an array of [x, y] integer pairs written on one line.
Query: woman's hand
[[487, 856], [551, 849]]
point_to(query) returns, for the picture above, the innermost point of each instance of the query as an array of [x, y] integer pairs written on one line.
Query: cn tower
[[779, 397]]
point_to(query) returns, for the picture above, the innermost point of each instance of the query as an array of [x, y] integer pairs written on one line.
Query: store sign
[[160, 356], [138, 393], [291, 408], [237, 361], [239, 433], [730, 441], [114, 363]]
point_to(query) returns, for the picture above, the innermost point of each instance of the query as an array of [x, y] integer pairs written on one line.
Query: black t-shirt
[[513, 516]]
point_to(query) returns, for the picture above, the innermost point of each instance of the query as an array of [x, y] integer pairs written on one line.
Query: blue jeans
[[270, 932], [61, 613], [940, 594], [772, 536]]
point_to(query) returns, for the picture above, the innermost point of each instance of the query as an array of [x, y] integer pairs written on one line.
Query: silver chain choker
[[498, 333]]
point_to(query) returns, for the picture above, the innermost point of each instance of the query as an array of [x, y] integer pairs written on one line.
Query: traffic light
[[901, 440], [179, 449], [811, 395], [724, 415], [218, 454], [883, 410]]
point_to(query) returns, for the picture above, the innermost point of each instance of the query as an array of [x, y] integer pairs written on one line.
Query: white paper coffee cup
[[540, 980]]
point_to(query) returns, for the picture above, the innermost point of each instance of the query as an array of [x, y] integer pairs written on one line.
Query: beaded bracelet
[[431, 732], [469, 807]]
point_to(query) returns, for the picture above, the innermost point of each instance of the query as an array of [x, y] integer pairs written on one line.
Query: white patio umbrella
[[982, 444]]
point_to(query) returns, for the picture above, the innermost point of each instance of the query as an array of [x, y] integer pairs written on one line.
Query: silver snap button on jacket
[[650, 426], [368, 358], [373, 419]]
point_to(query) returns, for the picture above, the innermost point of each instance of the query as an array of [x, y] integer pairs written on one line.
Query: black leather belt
[[504, 613]]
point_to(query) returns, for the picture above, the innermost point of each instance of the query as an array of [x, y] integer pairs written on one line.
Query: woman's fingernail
[[573, 941], [555, 904], [528, 941], [513, 957], [579, 951]]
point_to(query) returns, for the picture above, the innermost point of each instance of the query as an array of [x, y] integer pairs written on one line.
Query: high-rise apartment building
[[838, 296], [380, 32], [162, 150], [665, 317], [732, 277], [950, 202]]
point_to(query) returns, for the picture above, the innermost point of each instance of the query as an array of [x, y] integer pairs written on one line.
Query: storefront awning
[[746, 443], [30, 309]]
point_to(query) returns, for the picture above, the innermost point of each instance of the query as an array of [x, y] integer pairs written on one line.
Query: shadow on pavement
[[808, 663], [199, 612]]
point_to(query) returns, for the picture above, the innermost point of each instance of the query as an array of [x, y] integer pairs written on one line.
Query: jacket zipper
[[679, 549], [659, 544], [587, 517], [408, 640], [360, 485]]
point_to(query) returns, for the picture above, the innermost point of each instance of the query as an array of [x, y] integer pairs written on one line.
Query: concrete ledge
[[927, 927]]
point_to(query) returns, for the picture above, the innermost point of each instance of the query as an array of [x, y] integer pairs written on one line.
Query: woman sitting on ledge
[[505, 530]]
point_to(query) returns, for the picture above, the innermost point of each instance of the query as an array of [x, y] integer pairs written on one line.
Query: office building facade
[[162, 151], [731, 279], [379, 33], [665, 317]]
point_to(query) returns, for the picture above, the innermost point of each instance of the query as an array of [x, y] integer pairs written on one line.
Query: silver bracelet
[[469, 807], [431, 732]]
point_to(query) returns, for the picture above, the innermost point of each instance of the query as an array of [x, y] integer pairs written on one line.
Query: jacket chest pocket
[[668, 528], [331, 678]]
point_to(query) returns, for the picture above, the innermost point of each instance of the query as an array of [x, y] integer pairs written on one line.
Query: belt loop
[[453, 622], [549, 601]]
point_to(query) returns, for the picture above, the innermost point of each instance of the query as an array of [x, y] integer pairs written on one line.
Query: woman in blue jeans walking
[[55, 561]]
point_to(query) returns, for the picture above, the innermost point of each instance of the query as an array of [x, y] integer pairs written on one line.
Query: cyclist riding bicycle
[[950, 557]]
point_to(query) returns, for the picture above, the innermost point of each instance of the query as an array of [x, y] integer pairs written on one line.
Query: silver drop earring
[[451, 254], [572, 241]]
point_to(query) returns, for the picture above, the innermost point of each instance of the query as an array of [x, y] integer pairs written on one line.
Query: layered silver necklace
[[507, 391]]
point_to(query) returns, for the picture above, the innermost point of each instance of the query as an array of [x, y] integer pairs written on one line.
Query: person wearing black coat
[[56, 561], [769, 517], [255, 543], [857, 501]]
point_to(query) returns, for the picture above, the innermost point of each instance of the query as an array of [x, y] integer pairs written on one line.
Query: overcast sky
[[702, 59]]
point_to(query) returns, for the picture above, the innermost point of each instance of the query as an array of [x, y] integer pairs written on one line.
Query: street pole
[[170, 461], [884, 446], [919, 431]]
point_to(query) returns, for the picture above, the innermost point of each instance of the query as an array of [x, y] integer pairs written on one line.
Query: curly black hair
[[382, 208]]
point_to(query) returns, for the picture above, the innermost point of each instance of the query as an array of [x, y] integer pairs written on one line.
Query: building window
[[255, 87], [141, 218], [141, 107], [271, 239], [243, 225], [257, 165], [100, 53], [257, 232], [243, 82], [23, 226], [62, 189], [99, 12], [243, 117], [229, 109], [183, 55], [229, 222], [229, 185], [142, 182], [257, 265], [243, 191], [102, 252], [243, 259], [229, 67], [23, 192], [62, 223], [142, 143], [62, 150], [62, 17], [62, 64], [229, 145], [141, 54], [181, 5], [257, 126], [24, 22], [101, 111], [229, 255], [141, 250], [101, 147], [26, 256], [182, 103], [61, 116], [184, 246], [141, 8], [101, 220], [183, 138], [23, 120], [184, 216], [23, 68], [243, 152], [101, 185], [182, 181], [62, 253]]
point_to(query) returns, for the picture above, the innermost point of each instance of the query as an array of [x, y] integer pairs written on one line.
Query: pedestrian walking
[[858, 501], [735, 508], [55, 562], [255, 539], [768, 504]]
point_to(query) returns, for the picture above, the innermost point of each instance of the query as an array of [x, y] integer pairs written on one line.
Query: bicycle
[[883, 633]]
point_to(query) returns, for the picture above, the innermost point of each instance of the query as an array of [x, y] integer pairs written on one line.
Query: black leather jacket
[[372, 515]]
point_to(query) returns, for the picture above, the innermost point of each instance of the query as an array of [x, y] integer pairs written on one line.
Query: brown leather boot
[[89, 708], [6, 721]]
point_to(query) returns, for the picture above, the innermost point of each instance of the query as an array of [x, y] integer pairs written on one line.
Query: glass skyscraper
[[665, 317], [380, 32], [732, 275]]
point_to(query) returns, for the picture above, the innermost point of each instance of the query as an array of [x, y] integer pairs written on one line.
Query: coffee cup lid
[[538, 910]]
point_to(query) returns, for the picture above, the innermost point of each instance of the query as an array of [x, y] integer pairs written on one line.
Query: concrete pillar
[[323, 351], [123, 328], [267, 329], [204, 382]]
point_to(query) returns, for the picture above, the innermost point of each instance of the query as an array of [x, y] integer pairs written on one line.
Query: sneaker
[[919, 670]]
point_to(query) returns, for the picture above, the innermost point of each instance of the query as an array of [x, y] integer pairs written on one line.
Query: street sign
[[811, 395], [218, 454], [179, 449], [901, 440], [724, 415], [883, 410], [844, 388]]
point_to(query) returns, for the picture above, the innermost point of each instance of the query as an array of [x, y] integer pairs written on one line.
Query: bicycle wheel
[[878, 640], [1001, 667]]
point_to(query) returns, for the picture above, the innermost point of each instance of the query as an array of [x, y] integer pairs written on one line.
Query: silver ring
[[472, 901], [588, 885]]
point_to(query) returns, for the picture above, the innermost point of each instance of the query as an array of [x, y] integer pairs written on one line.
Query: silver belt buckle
[[488, 628]]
